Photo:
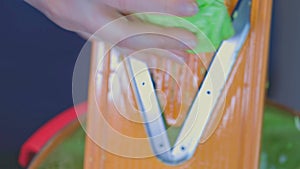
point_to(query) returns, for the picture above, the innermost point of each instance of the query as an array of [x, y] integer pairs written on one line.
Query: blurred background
[[37, 59]]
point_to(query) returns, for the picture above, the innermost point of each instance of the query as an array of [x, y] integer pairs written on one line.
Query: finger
[[138, 35], [175, 7], [132, 34], [84, 35]]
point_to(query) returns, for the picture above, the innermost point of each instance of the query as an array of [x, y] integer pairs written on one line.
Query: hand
[[87, 16]]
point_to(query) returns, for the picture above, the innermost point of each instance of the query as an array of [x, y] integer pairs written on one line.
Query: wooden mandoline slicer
[[221, 119]]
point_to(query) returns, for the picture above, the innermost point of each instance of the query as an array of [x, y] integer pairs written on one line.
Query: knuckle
[[123, 5], [52, 9]]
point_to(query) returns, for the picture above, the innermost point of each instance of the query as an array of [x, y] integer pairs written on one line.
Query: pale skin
[[87, 16]]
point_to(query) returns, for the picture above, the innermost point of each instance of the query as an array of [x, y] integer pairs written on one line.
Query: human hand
[[87, 16]]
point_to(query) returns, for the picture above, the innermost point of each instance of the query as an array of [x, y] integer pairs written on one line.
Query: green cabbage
[[212, 24]]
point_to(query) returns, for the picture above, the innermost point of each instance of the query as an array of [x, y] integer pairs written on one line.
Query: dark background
[[284, 71], [37, 59], [36, 65]]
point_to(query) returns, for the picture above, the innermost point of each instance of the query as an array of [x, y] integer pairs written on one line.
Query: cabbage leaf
[[212, 24]]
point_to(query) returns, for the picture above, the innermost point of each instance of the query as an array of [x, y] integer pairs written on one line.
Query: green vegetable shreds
[[212, 24]]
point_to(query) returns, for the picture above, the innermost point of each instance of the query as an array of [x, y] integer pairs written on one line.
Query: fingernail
[[189, 44], [192, 43], [189, 8]]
